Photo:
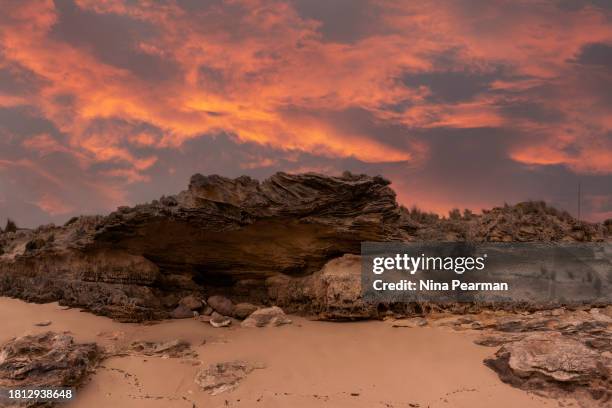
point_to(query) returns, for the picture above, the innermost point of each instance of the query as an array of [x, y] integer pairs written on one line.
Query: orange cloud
[[237, 67]]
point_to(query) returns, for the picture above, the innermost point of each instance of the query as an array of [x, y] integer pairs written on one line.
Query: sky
[[460, 103]]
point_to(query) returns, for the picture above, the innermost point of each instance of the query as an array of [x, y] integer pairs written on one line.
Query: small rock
[[413, 322], [221, 304], [269, 316], [207, 311], [243, 310], [43, 323], [221, 377], [174, 348], [181, 312], [217, 320], [191, 302]]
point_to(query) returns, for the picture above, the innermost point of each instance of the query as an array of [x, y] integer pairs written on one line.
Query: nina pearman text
[[431, 285]]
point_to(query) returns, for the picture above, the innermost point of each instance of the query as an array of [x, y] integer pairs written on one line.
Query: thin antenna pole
[[579, 199]]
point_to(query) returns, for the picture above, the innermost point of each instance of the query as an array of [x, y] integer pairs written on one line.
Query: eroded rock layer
[[220, 234], [258, 242]]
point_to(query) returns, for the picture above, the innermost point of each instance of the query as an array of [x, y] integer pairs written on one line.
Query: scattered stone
[[269, 316], [217, 320], [181, 312], [46, 360], [43, 323], [412, 322], [552, 363], [174, 348], [191, 302], [207, 311], [222, 305], [243, 310], [222, 377]]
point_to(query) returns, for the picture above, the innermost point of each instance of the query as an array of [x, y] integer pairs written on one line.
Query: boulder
[[553, 362], [181, 312], [243, 310], [334, 292], [221, 304], [46, 360], [191, 302], [266, 317], [216, 232]]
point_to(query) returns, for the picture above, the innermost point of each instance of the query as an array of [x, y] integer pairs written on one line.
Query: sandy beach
[[307, 364]]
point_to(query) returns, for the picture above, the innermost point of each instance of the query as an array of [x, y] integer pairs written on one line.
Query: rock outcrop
[[556, 353], [528, 221], [333, 293], [247, 240], [220, 235], [552, 362]]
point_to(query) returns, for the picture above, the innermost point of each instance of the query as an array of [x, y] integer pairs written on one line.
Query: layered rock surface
[[219, 235], [557, 353], [251, 241], [47, 360]]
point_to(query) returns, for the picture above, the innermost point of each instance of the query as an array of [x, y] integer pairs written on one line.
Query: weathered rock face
[[244, 239], [558, 353], [550, 361], [220, 235], [333, 293], [45, 360], [524, 222]]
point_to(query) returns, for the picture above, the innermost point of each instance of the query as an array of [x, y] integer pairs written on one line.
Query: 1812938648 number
[[38, 394]]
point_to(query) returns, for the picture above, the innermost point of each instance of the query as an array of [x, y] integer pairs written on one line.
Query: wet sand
[[308, 364]]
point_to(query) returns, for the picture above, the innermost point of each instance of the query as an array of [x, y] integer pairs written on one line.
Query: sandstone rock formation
[[558, 353], [547, 361], [247, 240], [523, 222], [243, 310], [221, 305], [46, 360], [266, 317], [333, 293], [220, 235]]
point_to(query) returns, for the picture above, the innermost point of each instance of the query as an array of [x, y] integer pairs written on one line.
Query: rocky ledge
[[557, 353], [276, 242]]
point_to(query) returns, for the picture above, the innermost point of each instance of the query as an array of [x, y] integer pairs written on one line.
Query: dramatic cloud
[[460, 103]]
